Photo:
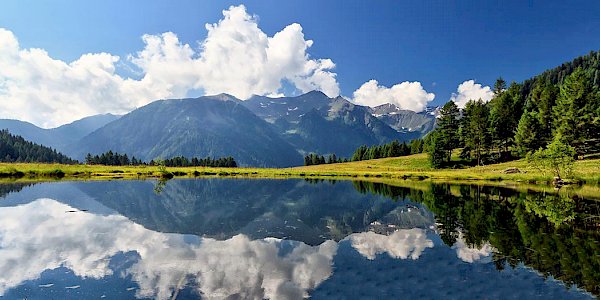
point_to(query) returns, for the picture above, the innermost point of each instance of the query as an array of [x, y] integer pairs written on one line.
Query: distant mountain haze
[[59, 138]]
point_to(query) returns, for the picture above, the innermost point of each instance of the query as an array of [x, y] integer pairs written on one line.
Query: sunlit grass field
[[397, 168]]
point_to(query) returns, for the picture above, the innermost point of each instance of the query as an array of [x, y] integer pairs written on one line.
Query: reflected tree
[[554, 233]]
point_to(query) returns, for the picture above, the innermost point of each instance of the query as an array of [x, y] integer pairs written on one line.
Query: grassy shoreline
[[413, 167]]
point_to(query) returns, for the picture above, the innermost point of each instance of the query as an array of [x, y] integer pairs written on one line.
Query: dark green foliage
[[555, 234], [576, 111], [560, 103], [112, 159], [115, 159], [556, 76], [416, 146], [315, 159], [393, 149], [499, 86], [437, 154], [180, 161], [505, 111], [566, 101], [447, 130], [557, 157], [475, 128], [14, 148], [528, 133], [541, 101]]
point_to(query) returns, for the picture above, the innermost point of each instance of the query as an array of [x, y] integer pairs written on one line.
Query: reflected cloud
[[42, 235], [472, 254], [403, 243]]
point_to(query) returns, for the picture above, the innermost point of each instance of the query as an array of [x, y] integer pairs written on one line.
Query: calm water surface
[[292, 239]]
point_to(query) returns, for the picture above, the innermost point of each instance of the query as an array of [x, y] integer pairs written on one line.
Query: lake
[[289, 239]]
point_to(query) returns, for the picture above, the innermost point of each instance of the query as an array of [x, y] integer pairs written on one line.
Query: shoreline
[[408, 168]]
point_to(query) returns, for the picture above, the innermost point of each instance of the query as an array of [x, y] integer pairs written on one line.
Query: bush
[[557, 157], [56, 173], [11, 172]]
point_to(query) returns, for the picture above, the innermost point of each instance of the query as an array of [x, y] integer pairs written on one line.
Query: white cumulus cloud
[[469, 90], [406, 95], [236, 57]]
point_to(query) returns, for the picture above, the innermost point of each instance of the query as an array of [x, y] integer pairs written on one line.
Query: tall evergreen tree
[[447, 129], [576, 112], [541, 101], [499, 86], [528, 133], [436, 153], [475, 127], [505, 112]]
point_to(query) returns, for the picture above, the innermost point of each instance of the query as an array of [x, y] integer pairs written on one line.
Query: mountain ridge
[[204, 126]]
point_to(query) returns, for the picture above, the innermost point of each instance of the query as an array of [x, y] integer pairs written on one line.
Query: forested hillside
[[561, 105], [14, 148]]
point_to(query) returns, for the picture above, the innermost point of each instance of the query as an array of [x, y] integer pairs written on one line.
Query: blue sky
[[440, 44]]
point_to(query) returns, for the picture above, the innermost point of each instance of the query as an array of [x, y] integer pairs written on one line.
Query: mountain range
[[59, 138], [261, 131]]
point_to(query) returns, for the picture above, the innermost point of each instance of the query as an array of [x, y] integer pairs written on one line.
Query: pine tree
[[437, 154], [505, 112], [528, 133], [447, 130], [499, 86], [475, 127], [576, 112]]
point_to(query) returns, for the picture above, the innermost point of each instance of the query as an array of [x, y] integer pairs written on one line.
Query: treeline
[[315, 159], [180, 161], [112, 159], [392, 149], [115, 159], [561, 105], [14, 148]]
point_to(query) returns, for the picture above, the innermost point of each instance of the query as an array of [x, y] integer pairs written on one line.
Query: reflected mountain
[[292, 239], [222, 208]]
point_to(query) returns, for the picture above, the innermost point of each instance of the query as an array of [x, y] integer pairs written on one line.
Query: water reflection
[[554, 233], [84, 243], [290, 239]]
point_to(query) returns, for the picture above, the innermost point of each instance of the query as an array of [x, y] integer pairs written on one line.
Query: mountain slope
[[73, 132], [60, 137], [405, 120], [316, 123], [289, 109], [207, 126]]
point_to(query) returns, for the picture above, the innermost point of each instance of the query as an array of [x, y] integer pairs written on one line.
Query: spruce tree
[[475, 127], [447, 130], [576, 112]]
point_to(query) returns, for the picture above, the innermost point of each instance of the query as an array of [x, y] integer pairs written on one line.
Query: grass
[[415, 167]]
